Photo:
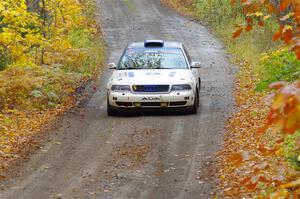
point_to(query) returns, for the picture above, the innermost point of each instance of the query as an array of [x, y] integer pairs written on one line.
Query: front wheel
[[110, 110], [196, 103]]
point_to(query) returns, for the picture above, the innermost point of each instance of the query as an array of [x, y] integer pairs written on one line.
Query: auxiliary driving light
[[163, 104], [137, 104]]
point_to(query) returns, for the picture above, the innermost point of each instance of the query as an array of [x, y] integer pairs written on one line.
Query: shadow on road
[[160, 112]]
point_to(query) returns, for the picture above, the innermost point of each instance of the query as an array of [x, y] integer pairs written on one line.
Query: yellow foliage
[[26, 35], [47, 52]]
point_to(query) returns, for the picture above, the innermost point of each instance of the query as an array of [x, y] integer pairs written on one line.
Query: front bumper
[[146, 100]]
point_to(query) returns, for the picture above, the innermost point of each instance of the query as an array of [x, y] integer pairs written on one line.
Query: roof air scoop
[[154, 43]]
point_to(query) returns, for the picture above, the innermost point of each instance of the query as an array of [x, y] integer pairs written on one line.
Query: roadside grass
[[264, 164], [185, 7], [94, 47], [223, 17], [291, 150], [279, 65], [31, 97]]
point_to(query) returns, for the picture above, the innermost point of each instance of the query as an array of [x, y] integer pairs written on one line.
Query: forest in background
[[260, 158], [48, 48]]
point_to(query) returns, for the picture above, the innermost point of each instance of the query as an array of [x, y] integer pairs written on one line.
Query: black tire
[[111, 111], [198, 98], [199, 85], [196, 103]]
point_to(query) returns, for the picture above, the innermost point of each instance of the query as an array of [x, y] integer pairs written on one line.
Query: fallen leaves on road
[[18, 131], [134, 153]]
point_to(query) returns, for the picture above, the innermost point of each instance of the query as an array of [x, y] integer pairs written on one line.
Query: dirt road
[[157, 156]]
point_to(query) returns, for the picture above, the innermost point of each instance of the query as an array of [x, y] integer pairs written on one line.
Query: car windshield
[[153, 58]]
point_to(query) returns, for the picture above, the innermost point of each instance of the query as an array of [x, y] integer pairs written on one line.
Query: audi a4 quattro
[[154, 74]]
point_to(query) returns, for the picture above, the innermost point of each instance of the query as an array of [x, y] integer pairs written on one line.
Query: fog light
[[137, 104], [163, 104]]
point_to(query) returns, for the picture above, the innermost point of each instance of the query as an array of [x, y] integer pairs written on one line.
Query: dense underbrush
[[56, 49]]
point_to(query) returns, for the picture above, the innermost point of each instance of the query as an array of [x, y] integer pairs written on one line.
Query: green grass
[[93, 47], [280, 65], [291, 149]]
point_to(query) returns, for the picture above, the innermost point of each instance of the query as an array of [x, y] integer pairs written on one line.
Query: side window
[[187, 55]]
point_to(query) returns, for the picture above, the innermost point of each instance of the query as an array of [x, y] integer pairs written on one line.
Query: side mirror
[[196, 65], [112, 66]]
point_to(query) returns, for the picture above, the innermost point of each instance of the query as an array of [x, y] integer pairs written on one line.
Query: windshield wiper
[[162, 68], [130, 68]]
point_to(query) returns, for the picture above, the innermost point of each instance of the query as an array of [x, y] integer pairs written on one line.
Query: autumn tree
[[286, 13], [19, 33], [32, 31]]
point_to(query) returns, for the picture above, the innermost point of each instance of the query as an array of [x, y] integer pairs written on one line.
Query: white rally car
[[154, 74]]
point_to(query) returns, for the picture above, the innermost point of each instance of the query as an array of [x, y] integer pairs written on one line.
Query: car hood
[[151, 76]]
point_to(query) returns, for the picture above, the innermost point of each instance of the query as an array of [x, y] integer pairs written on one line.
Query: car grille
[[150, 88], [149, 104]]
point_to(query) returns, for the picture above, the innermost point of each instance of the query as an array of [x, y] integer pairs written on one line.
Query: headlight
[[120, 88], [181, 87]]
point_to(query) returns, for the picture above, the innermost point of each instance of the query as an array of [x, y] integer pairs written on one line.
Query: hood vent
[[153, 43]]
